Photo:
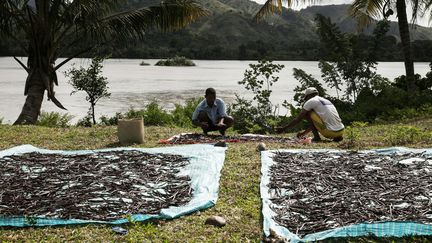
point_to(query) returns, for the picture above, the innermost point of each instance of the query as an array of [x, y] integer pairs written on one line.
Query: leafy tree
[[90, 81], [51, 27], [306, 81], [259, 79], [365, 11], [331, 76], [379, 36], [255, 115], [336, 44], [347, 63]]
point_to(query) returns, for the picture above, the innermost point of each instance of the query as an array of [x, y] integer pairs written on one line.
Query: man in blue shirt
[[211, 115]]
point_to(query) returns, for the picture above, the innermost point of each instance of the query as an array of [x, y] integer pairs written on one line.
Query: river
[[132, 85]]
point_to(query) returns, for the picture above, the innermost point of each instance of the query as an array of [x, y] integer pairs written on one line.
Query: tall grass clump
[[54, 119]]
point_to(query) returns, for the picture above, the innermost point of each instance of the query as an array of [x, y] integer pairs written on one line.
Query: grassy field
[[239, 200]]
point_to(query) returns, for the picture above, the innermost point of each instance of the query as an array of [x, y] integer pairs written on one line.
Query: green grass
[[239, 200]]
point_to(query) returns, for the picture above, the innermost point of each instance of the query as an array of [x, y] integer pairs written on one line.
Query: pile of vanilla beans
[[93, 186], [316, 191], [191, 138]]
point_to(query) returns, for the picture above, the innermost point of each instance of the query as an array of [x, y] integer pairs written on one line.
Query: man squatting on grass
[[211, 115], [322, 116]]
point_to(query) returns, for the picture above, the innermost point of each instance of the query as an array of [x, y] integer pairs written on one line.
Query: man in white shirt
[[321, 114], [211, 114]]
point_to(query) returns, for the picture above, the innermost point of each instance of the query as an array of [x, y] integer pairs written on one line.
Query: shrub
[[390, 104], [406, 113], [242, 110], [54, 119], [111, 121], [156, 116], [182, 115], [402, 135], [85, 121], [91, 82], [153, 115], [421, 83], [1, 120], [352, 135], [259, 114]]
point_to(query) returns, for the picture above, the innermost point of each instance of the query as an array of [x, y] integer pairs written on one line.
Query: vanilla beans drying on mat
[[317, 191], [96, 186], [192, 138]]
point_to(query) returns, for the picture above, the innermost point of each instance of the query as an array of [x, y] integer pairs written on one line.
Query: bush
[[153, 115], [389, 102], [111, 121], [421, 83], [1, 120], [175, 61], [259, 114], [402, 135], [242, 110], [54, 119], [91, 82], [352, 135], [85, 121], [406, 113], [182, 115]]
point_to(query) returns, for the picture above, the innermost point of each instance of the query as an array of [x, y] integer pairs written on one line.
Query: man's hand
[[280, 129], [221, 125]]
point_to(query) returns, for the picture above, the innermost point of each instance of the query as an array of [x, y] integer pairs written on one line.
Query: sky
[[420, 21]]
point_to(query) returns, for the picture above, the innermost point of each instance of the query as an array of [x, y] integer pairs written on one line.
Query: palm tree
[[364, 11], [45, 29]]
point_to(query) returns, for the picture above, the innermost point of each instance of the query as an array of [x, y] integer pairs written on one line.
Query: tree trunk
[[406, 44], [31, 109], [93, 113]]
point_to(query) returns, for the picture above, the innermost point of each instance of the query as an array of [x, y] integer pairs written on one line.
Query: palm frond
[[11, 16], [13, 21], [276, 6], [364, 11], [269, 7], [169, 15], [427, 7], [176, 14], [420, 8]]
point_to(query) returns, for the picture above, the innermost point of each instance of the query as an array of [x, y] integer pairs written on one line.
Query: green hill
[[339, 15], [230, 32]]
